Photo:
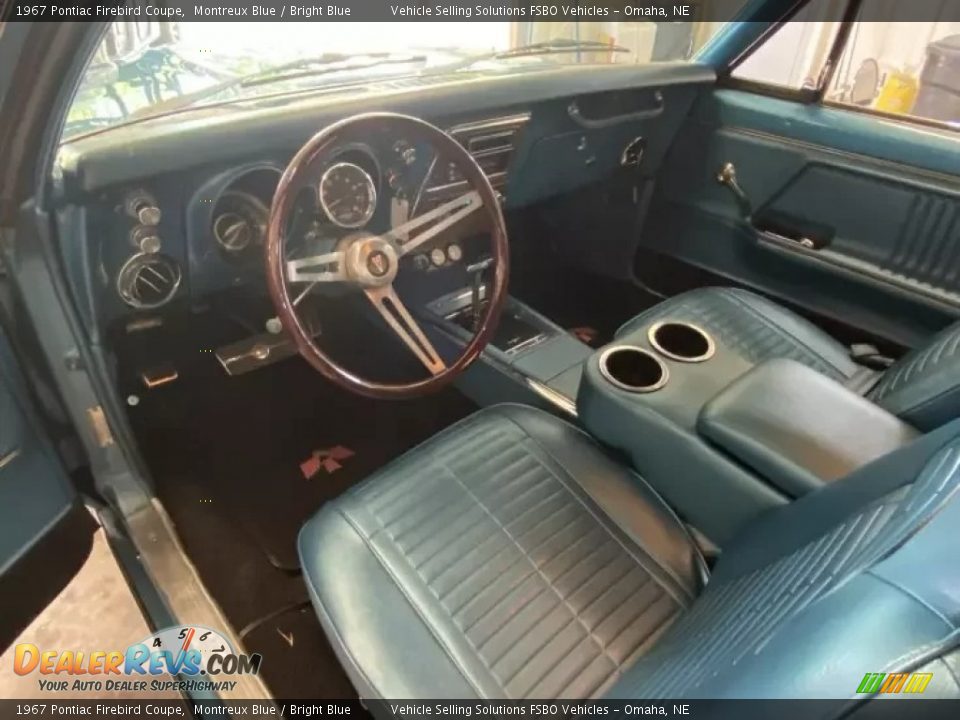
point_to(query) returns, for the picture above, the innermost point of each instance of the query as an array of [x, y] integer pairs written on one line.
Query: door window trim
[[816, 95]]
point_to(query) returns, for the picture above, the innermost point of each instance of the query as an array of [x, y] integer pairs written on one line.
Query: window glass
[[903, 68], [889, 65], [794, 56]]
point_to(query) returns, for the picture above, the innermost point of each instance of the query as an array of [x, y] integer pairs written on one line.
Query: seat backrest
[[860, 577], [923, 387]]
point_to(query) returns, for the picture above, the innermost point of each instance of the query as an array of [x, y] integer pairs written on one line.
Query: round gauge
[[454, 252], [438, 257], [239, 221], [347, 195]]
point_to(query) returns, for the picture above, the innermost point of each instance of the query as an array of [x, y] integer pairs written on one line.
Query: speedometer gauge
[[347, 195]]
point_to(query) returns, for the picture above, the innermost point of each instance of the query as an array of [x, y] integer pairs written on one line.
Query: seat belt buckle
[[869, 355]]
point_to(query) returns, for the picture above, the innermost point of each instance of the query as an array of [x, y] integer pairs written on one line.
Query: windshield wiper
[[559, 45], [302, 67], [326, 64], [547, 47]]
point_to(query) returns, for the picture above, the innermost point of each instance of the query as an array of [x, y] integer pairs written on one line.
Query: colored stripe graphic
[[894, 683], [871, 683], [918, 682]]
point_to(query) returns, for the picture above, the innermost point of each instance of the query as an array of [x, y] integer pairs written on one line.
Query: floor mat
[[293, 640], [271, 447], [241, 462]]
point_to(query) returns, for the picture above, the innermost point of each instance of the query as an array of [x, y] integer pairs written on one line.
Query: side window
[[887, 66], [902, 68], [794, 56]]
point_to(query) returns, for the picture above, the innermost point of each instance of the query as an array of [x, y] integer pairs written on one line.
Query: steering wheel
[[369, 262]]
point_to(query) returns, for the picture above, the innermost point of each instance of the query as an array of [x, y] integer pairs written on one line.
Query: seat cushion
[[759, 330], [506, 557]]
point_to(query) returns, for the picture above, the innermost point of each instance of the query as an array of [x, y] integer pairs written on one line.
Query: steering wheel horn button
[[378, 264], [371, 261]]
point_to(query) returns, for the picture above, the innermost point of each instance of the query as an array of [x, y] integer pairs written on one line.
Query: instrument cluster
[[367, 186], [344, 198]]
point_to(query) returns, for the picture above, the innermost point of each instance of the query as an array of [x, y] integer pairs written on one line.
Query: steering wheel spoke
[[327, 267], [433, 222], [389, 305]]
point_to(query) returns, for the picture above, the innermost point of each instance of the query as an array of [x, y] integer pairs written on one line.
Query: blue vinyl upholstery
[[923, 388], [512, 558]]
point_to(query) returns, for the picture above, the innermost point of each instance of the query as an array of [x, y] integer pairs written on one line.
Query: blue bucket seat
[[510, 557]]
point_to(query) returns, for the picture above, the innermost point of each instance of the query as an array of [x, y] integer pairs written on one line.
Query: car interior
[[620, 381]]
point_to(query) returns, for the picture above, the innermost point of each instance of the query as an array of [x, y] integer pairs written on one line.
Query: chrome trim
[[447, 215], [299, 269], [9, 457], [371, 187], [396, 315], [495, 179], [573, 110], [518, 119], [552, 396], [129, 272], [254, 203], [446, 306], [864, 271], [524, 346], [633, 151], [602, 361], [652, 338], [254, 352], [507, 146], [159, 376], [511, 123]]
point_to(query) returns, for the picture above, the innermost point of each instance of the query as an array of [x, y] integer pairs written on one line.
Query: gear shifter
[[476, 271]]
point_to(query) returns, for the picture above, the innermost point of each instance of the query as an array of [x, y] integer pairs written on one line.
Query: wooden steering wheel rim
[[293, 180]]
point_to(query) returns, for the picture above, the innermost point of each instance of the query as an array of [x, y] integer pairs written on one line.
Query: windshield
[[144, 69]]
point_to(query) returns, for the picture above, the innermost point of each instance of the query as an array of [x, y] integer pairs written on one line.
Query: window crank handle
[[728, 176]]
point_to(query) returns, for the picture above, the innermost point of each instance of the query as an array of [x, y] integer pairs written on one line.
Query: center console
[[721, 438], [530, 358]]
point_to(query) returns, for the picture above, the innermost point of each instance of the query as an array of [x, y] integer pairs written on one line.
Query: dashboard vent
[[148, 281], [491, 142]]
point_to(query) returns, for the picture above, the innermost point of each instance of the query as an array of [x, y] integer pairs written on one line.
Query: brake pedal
[[159, 376]]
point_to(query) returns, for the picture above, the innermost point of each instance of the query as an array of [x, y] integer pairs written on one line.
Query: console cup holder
[[633, 369], [681, 341]]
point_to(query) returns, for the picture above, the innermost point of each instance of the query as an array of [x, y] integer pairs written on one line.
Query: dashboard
[[174, 210], [368, 185]]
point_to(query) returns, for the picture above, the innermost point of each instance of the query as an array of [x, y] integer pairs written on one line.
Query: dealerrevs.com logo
[[203, 657]]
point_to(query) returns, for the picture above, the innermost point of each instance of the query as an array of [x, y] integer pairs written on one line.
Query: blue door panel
[[831, 127], [877, 198], [35, 492]]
